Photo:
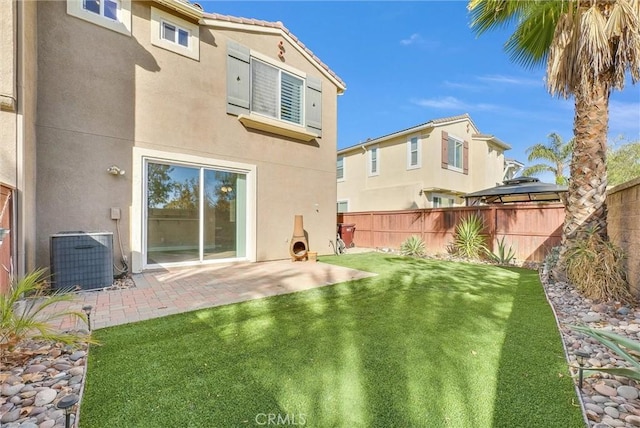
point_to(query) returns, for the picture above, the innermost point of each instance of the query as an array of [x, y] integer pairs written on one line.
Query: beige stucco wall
[[623, 226], [104, 94], [18, 86], [398, 188]]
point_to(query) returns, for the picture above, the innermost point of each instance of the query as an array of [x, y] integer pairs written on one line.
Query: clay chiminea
[[299, 247]]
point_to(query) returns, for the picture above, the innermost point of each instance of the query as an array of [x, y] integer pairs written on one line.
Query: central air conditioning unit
[[81, 260]]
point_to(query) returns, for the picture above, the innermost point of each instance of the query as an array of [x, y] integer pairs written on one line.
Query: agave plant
[[413, 246], [504, 256], [27, 312], [626, 348], [469, 241]]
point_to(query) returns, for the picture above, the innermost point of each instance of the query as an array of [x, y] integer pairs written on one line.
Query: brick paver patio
[[172, 291]]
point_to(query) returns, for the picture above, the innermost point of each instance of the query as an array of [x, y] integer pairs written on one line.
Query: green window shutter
[[445, 149], [313, 103], [238, 82]]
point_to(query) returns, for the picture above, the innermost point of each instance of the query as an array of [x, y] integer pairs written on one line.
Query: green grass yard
[[423, 344]]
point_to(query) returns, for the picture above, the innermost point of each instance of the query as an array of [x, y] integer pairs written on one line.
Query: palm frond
[[537, 169]]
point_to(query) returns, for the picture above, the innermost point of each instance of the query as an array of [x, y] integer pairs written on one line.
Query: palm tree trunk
[[586, 207]]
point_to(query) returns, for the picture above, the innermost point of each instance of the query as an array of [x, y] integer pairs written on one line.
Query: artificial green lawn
[[424, 344]]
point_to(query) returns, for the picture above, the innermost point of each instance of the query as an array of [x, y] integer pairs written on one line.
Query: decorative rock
[[633, 420], [45, 397], [48, 424], [628, 392], [10, 390], [76, 371], [594, 408], [623, 311], [10, 416], [591, 318], [612, 411], [599, 399], [35, 368], [77, 355], [605, 390], [611, 422]]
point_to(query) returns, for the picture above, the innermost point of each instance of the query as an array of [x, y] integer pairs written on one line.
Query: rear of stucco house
[[220, 130]]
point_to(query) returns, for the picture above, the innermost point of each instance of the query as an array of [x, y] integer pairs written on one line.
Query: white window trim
[[122, 26], [344, 169], [140, 155], [346, 201], [370, 151], [419, 153], [158, 17], [453, 167]]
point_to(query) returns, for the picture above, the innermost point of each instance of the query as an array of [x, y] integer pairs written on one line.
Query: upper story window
[[455, 148], [413, 153], [455, 153], [107, 8], [175, 34], [112, 14], [343, 206], [276, 93], [271, 96], [340, 168], [374, 164]]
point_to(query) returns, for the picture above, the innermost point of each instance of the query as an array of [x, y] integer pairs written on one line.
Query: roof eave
[[422, 127], [216, 23], [184, 8]]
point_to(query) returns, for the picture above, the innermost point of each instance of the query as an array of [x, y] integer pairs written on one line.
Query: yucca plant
[[413, 246], [626, 348], [27, 312], [469, 241], [595, 266], [504, 256]]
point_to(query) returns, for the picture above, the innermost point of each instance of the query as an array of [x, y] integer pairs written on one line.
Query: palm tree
[[589, 47], [556, 152]]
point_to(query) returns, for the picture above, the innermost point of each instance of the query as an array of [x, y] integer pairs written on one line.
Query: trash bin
[[346, 232]]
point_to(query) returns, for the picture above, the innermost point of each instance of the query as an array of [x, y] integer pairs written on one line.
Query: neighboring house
[[431, 165], [192, 137]]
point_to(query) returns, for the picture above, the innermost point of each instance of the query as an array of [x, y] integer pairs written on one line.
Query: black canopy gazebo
[[521, 189]]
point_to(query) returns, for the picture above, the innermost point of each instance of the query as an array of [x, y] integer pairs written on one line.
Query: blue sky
[[405, 63]]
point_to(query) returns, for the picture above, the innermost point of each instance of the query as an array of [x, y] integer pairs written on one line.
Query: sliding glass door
[[194, 214]]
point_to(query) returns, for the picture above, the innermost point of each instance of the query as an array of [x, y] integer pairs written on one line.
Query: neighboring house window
[[107, 8], [175, 34], [112, 14], [340, 168], [413, 153], [260, 90], [374, 167], [442, 202], [455, 153], [343, 206]]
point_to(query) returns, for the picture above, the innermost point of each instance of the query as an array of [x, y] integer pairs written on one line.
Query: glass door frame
[[139, 205]]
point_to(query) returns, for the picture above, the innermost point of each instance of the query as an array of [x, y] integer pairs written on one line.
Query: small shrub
[[551, 259], [504, 256], [626, 348], [469, 241], [413, 246], [596, 268], [26, 312]]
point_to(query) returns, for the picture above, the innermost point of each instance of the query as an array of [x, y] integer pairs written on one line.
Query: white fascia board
[[184, 8]]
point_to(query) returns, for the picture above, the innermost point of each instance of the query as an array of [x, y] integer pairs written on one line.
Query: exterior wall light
[[115, 170]]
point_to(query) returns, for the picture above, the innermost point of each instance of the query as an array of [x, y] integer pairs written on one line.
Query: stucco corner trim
[[273, 126], [7, 103]]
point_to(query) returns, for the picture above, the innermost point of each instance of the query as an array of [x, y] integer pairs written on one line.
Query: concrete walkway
[[165, 292]]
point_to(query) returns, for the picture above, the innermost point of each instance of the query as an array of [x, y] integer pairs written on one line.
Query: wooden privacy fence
[[530, 229]]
